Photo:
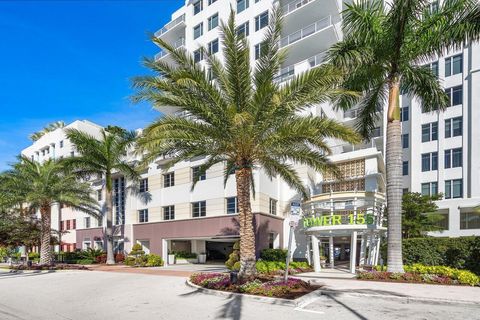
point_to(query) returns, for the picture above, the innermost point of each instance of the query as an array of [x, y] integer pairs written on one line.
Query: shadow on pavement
[[363, 291], [232, 309], [9, 275], [356, 313]]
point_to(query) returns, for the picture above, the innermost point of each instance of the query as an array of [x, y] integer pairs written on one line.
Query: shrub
[[277, 266], [129, 261], [184, 255], [154, 260], [34, 256], [90, 254], [273, 254], [236, 266], [234, 257], [85, 261]]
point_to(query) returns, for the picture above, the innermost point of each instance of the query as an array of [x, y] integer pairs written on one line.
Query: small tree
[[233, 262], [419, 214]]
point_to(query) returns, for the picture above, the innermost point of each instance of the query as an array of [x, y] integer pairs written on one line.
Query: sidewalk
[[402, 291]]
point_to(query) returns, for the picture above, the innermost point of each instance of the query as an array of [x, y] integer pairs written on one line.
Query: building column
[[309, 253], [363, 247], [165, 250], [316, 254], [331, 253], [377, 251], [370, 248], [353, 252]]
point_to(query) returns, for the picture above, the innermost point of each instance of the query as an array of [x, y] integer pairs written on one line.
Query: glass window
[[434, 131], [457, 64], [425, 162], [169, 213], [457, 95], [243, 29], [198, 30], [196, 176], [143, 215], [457, 188], [87, 222], [448, 128], [434, 156], [448, 92], [213, 46], [232, 205], [61, 144], [448, 67], [273, 206], [404, 114], [404, 190], [457, 158], [197, 7], [198, 55], [442, 223], [457, 126], [259, 48], [426, 189], [448, 159], [469, 220], [405, 168], [405, 140], [99, 195], [425, 132], [261, 21], [144, 185], [242, 5], [199, 209], [211, 1], [448, 189], [434, 188], [169, 179], [213, 22], [434, 68]]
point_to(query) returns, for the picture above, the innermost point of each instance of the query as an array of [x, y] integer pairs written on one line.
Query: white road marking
[[306, 310]]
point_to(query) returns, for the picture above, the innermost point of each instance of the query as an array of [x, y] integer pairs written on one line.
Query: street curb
[[303, 300], [406, 299]]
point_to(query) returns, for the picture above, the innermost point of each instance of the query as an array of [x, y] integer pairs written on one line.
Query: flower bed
[[278, 267], [59, 266], [267, 286], [424, 274]]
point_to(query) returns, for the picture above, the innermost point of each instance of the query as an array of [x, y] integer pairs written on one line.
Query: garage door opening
[[218, 251]]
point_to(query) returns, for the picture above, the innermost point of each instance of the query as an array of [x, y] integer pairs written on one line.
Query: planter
[[202, 258], [171, 259]]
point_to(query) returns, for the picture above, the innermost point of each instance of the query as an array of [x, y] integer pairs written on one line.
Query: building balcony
[[177, 44], [289, 72], [297, 13], [174, 26], [318, 36]]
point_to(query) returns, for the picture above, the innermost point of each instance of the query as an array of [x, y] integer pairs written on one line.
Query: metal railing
[[177, 44], [289, 72], [305, 32], [170, 25], [294, 5], [352, 113]]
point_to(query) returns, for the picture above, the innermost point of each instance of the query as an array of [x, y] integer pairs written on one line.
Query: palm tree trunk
[[247, 234], [394, 180], [45, 236], [109, 228]]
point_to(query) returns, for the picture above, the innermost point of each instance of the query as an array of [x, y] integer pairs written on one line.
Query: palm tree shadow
[[355, 312], [232, 309]]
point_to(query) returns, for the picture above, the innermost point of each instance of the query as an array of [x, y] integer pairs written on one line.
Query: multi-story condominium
[[55, 145]]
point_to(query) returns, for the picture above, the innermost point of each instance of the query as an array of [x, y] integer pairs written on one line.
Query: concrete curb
[[270, 300], [406, 299]]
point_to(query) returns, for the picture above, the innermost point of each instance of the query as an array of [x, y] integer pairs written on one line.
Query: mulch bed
[[59, 266]]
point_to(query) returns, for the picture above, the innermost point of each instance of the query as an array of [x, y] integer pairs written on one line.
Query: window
[[143, 185], [453, 188], [261, 21], [442, 221], [68, 224], [99, 195], [404, 114], [259, 50], [405, 168], [469, 220], [198, 30], [213, 46], [404, 190], [199, 209], [196, 176], [232, 205], [433, 7], [211, 1], [213, 22], [434, 68], [455, 95], [453, 158], [453, 127], [100, 222], [453, 65], [72, 154], [242, 5], [198, 55], [87, 222], [429, 161], [169, 179], [74, 224], [197, 7], [169, 213], [271, 240], [405, 140], [243, 29], [429, 188], [273, 206], [143, 215], [61, 144], [430, 132]]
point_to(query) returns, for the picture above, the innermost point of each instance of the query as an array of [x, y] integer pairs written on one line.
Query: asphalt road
[[104, 295]]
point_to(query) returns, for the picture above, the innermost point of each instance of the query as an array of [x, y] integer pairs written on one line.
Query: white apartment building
[[55, 145]]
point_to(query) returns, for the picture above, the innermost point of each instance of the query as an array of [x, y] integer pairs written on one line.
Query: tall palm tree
[[382, 52], [39, 186], [51, 127], [103, 157], [239, 115]]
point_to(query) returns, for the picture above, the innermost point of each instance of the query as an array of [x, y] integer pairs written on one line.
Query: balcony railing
[[352, 113], [289, 72], [305, 32], [294, 5], [285, 74], [177, 44], [170, 25]]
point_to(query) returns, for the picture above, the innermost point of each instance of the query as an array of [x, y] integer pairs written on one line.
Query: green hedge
[[273, 255], [460, 253]]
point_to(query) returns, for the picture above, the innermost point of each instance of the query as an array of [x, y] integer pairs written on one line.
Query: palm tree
[[51, 127], [240, 116], [39, 186], [382, 52], [103, 157]]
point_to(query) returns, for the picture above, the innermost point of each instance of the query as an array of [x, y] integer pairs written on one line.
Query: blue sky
[[68, 60]]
